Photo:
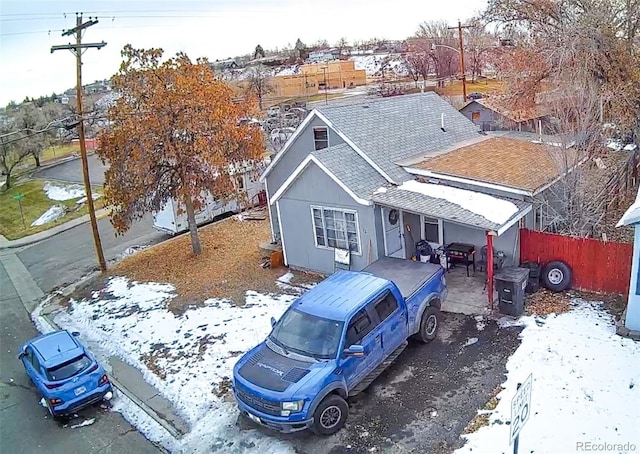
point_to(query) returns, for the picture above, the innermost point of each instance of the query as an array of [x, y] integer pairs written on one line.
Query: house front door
[[393, 241]]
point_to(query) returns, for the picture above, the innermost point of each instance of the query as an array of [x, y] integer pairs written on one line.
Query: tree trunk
[[193, 228], [36, 156], [7, 181]]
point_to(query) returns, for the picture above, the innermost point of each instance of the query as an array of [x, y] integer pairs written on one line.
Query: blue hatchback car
[[66, 374]]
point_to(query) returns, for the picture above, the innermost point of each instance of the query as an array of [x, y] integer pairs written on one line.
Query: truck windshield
[[307, 334]]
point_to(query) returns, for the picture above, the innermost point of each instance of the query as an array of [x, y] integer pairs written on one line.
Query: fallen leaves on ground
[[545, 302], [228, 266]]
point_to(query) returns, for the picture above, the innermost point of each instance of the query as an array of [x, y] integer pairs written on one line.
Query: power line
[[77, 50]]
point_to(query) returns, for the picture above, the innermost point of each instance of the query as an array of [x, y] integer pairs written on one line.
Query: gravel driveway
[[423, 402]]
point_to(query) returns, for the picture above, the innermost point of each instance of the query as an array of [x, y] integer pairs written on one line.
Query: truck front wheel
[[330, 415], [429, 325]]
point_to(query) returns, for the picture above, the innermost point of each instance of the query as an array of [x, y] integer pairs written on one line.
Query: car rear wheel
[[429, 325], [330, 416]]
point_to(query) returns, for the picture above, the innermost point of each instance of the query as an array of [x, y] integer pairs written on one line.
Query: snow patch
[[94, 196], [63, 192], [188, 357], [380, 190], [581, 393], [86, 422], [53, 213], [470, 341], [491, 208]]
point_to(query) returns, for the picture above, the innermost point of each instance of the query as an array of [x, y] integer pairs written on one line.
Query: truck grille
[[263, 405]]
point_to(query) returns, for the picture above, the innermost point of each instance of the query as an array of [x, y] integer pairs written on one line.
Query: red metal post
[[490, 269]]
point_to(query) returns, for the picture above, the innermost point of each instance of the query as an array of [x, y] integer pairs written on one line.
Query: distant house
[[632, 317], [323, 55], [225, 64], [492, 115], [374, 177]]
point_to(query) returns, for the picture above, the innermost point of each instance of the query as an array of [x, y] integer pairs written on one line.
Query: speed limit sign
[[520, 409]]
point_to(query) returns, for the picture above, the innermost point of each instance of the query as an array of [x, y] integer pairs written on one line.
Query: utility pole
[[77, 50], [464, 79], [324, 72]]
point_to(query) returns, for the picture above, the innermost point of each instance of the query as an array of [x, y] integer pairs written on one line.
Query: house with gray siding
[[492, 115], [373, 177]]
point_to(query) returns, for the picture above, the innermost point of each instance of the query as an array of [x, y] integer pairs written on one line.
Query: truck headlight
[[293, 406]]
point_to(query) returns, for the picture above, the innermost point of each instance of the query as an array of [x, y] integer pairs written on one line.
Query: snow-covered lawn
[[59, 192], [53, 213], [586, 388], [188, 357], [586, 379]]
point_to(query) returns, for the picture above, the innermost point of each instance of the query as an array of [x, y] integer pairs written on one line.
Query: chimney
[[442, 122]]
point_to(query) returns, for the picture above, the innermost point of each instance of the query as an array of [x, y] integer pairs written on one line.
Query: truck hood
[[270, 370]]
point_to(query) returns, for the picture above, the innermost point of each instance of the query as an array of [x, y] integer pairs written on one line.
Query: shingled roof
[[388, 130]]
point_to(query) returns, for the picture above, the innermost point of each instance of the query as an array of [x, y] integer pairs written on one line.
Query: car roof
[[340, 295], [56, 348]]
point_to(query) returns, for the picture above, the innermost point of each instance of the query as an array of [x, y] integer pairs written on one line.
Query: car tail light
[[55, 401], [53, 385], [95, 367], [103, 380]]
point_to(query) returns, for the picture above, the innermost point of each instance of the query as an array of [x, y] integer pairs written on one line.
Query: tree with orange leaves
[[173, 133]]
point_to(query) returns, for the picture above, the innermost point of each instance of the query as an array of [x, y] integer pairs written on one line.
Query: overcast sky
[[216, 29]]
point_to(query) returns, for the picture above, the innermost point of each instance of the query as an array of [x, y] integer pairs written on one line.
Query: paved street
[[25, 426], [27, 273], [66, 257], [72, 171]]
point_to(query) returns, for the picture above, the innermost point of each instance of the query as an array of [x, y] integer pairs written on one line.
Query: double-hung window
[[336, 228], [320, 138]]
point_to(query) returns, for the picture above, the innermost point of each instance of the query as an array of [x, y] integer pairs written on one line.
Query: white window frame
[[342, 210], [320, 128], [423, 232]]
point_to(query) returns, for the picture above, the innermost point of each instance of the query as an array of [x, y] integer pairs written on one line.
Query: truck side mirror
[[273, 322], [354, 350]]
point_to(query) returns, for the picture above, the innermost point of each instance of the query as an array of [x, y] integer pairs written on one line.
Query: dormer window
[[320, 138]]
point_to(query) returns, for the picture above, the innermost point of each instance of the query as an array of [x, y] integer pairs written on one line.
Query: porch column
[[490, 268]]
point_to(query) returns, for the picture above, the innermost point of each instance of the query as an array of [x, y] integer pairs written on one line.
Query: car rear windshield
[[68, 369]]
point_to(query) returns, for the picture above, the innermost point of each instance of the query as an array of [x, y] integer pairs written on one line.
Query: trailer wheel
[[556, 276], [429, 324]]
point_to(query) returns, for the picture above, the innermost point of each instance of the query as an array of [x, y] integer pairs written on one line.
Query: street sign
[[520, 410], [18, 196]]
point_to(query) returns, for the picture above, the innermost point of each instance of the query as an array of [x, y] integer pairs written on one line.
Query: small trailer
[[172, 218]]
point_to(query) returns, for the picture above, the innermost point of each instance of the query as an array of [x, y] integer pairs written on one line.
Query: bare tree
[[259, 83], [444, 56], [579, 61]]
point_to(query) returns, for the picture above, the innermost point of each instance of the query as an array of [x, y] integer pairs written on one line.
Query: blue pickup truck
[[334, 340]]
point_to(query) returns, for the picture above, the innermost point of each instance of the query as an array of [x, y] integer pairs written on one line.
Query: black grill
[[264, 405]]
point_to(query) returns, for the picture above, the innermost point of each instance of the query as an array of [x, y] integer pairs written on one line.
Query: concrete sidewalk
[[127, 379], [37, 237]]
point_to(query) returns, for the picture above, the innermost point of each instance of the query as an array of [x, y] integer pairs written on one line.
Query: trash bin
[[424, 251], [533, 282], [510, 284]]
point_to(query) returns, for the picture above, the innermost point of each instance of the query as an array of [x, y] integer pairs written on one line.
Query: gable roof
[[351, 169], [387, 130], [513, 163], [501, 107], [345, 167]]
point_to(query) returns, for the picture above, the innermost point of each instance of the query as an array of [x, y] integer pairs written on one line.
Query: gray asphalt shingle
[[388, 130], [351, 169], [438, 208]]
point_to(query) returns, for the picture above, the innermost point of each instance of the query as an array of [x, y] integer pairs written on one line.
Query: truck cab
[[333, 341]]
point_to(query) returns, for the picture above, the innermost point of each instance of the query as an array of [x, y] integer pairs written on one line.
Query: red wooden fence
[[597, 266]]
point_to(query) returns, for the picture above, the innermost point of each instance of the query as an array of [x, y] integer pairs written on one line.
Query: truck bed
[[409, 276]]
